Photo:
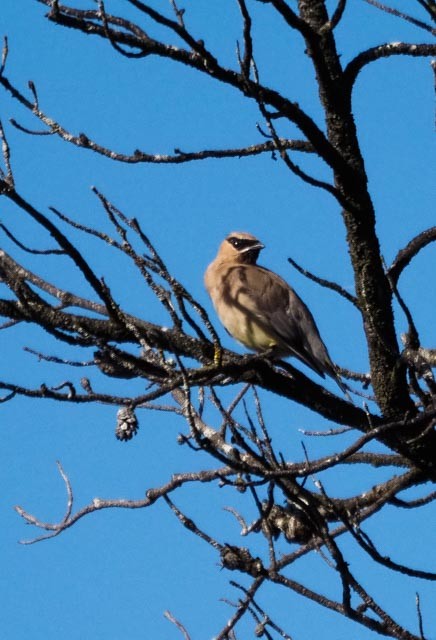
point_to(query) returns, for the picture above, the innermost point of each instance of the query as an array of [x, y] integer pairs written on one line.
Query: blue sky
[[114, 573]]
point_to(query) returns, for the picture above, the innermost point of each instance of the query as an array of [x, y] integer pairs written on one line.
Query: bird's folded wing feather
[[267, 296]]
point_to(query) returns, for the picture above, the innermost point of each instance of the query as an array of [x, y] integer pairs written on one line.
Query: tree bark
[[372, 286]]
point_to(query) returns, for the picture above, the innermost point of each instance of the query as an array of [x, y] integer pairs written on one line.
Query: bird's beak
[[253, 247]]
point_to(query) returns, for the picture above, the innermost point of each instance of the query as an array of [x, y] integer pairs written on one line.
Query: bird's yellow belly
[[249, 332]]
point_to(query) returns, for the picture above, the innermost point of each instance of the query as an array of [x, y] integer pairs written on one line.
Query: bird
[[260, 310]]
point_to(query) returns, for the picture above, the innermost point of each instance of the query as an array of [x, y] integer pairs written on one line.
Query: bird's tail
[[333, 373]]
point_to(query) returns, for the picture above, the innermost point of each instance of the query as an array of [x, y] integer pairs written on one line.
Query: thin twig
[[5, 51], [419, 614], [39, 252], [325, 283], [169, 616], [402, 15]]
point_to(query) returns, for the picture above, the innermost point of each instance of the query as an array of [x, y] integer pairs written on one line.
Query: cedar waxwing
[[260, 310]]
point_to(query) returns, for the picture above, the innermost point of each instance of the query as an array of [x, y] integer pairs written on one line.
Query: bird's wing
[[279, 308]]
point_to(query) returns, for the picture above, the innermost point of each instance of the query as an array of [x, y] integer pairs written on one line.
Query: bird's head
[[240, 247]]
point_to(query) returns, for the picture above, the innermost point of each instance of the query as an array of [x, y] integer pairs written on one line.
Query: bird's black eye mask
[[243, 244]]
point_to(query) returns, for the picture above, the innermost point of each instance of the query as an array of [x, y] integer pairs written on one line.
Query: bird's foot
[[217, 355]]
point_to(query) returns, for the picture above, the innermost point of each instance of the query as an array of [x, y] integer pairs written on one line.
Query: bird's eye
[[236, 242]]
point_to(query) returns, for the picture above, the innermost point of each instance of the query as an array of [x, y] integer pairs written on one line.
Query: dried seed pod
[[127, 424]]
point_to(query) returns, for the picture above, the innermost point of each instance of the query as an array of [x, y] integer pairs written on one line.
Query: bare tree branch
[[406, 255], [284, 511], [386, 50], [405, 16]]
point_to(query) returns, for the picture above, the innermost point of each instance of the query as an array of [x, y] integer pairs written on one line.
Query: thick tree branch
[[372, 287]]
